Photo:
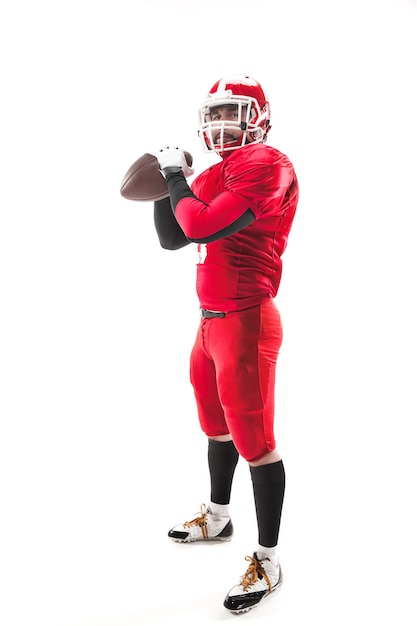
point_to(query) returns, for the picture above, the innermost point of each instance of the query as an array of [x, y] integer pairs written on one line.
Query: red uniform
[[234, 357], [243, 269], [239, 212]]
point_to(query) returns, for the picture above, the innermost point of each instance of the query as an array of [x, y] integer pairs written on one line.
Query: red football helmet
[[235, 113]]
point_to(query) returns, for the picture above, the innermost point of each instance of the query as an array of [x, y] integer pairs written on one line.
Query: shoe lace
[[253, 573], [201, 521]]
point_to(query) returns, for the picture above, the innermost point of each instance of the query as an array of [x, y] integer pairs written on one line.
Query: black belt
[[208, 314]]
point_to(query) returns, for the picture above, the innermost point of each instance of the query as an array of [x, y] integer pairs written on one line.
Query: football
[[144, 182]]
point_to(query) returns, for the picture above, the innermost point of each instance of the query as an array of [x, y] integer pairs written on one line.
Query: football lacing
[[201, 521], [253, 573]]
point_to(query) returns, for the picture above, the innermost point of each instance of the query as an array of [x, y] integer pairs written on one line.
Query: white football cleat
[[205, 527], [260, 579]]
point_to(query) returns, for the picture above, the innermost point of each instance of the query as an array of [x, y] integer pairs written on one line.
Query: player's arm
[[201, 222], [170, 234]]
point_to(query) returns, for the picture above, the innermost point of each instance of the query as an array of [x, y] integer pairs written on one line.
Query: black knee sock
[[268, 490], [222, 460]]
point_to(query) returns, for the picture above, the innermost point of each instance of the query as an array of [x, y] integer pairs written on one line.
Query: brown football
[[144, 182]]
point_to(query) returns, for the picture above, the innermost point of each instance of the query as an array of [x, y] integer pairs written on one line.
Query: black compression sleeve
[[177, 185], [170, 234]]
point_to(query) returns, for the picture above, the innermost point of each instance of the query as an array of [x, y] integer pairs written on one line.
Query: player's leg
[[222, 460], [246, 375], [244, 346], [214, 521], [263, 574], [222, 453]]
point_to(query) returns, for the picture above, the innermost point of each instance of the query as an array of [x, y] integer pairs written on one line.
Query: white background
[[100, 450]]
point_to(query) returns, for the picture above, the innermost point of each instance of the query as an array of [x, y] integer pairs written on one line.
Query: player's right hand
[[172, 156]]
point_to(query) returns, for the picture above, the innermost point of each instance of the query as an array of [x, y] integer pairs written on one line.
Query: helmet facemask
[[247, 123]]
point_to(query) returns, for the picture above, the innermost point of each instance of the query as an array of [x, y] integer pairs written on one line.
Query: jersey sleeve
[[254, 183], [262, 178], [224, 215]]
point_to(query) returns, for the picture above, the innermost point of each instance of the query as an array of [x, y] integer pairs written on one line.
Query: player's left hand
[[173, 157]]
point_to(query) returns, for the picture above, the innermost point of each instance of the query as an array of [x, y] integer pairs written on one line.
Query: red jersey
[[243, 269]]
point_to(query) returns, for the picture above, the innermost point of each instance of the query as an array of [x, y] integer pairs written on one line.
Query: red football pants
[[232, 370]]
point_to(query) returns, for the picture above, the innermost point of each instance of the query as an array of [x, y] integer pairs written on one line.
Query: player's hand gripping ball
[[144, 181], [173, 157]]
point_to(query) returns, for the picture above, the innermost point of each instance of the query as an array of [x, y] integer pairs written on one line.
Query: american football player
[[239, 212]]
